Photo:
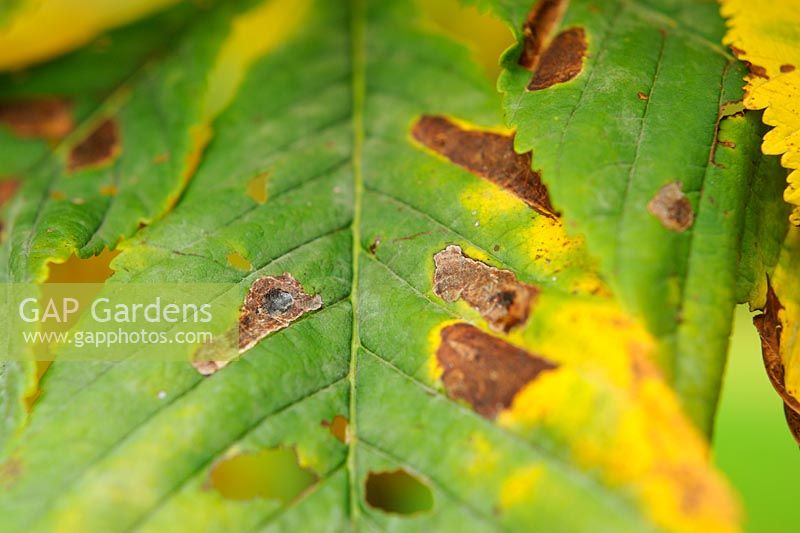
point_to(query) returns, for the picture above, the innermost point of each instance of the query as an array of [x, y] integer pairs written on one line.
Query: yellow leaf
[[41, 29], [766, 35]]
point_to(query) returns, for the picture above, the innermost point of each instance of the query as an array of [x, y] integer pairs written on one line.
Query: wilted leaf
[[505, 377], [767, 38]]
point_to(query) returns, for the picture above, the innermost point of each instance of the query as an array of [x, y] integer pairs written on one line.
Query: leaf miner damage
[[486, 154], [271, 304], [485, 371], [501, 299]]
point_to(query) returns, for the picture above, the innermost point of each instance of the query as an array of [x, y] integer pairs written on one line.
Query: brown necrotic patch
[[672, 208], [551, 59], [100, 147], [483, 370], [562, 61], [538, 28], [501, 299], [486, 154], [47, 118], [271, 304], [769, 328]]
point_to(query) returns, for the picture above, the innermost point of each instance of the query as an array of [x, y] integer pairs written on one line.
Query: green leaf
[[141, 110], [651, 108], [341, 162]]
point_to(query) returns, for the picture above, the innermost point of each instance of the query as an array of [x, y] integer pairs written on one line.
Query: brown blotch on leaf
[[642, 96], [786, 68], [483, 370], [501, 299], [48, 118], [338, 428], [738, 52], [672, 208], [8, 187], [272, 303], [562, 61], [99, 147], [397, 492], [769, 329], [756, 70], [537, 29], [486, 154]]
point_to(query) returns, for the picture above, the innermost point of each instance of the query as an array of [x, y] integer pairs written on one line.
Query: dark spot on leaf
[[271, 304], [538, 28], [48, 118], [373, 247], [271, 474], [338, 428], [397, 491], [496, 294], [488, 155], [728, 144], [642, 96], [483, 370], [562, 61], [756, 70], [277, 302], [738, 52], [786, 68], [672, 208], [100, 147], [769, 329]]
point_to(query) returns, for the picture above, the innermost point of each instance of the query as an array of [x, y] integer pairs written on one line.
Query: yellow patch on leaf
[[766, 35], [610, 403], [40, 30], [520, 486]]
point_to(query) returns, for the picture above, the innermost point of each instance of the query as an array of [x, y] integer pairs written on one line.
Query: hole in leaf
[[272, 473], [399, 492], [93, 269]]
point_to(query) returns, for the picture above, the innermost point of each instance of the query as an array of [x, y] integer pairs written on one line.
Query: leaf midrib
[[357, 28]]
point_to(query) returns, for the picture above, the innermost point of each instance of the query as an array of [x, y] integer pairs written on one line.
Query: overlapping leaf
[[652, 165], [322, 168], [766, 37]]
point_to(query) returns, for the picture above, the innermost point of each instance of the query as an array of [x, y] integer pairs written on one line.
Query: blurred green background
[[752, 445]]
